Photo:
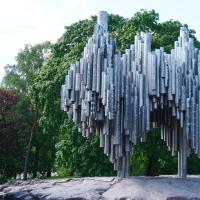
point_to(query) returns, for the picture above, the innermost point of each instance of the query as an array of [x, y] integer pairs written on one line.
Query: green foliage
[[29, 61], [46, 93], [152, 157], [20, 77], [12, 140], [167, 33], [78, 156], [193, 164], [142, 21]]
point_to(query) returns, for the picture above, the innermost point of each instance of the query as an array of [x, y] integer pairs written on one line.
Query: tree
[[29, 61], [20, 77], [12, 140], [75, 154], [152, 158], [46, 95]]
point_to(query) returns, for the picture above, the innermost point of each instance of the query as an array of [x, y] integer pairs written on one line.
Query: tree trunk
[[35, 168], [149, 167], [49, 172], [29, 148]]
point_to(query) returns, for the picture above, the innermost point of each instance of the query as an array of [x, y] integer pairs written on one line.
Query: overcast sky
[[34, 21]]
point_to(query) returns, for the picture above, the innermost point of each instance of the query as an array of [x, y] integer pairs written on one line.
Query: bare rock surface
[[104, 188]]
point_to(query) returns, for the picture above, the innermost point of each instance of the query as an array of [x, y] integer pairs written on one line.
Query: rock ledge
[[104, 188]]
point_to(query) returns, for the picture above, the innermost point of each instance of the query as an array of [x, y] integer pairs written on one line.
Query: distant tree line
[[37, 138]]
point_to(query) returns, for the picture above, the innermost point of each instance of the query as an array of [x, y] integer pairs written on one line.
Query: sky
[[35, 21]]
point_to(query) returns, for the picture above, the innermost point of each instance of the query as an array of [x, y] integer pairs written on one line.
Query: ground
[[104, 188]]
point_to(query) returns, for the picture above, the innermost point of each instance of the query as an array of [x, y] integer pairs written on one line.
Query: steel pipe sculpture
[[121, 97]]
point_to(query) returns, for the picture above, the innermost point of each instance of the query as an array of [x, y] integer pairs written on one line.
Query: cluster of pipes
[[121, 97]]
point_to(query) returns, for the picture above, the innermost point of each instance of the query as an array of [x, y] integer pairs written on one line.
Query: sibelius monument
[[121, 97]]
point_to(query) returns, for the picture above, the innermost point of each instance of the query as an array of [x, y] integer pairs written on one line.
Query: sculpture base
[[148, 188]]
